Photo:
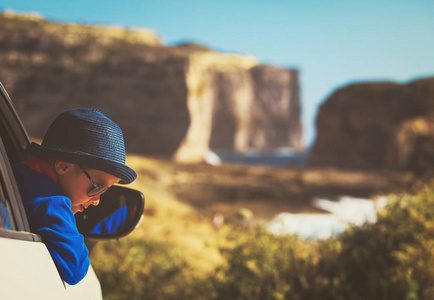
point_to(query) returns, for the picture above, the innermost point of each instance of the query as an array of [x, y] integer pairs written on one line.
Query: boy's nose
[[95, 202]]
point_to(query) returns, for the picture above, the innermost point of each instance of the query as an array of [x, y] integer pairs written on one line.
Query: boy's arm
[[54, 221]]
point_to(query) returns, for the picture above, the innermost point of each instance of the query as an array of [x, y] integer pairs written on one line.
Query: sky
[[331, 42]]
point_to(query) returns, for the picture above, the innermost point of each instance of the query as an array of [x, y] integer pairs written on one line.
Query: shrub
[[391, 259], [141, 269]]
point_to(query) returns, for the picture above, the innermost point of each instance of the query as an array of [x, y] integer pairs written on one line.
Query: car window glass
[[6, 220], [5, 217]]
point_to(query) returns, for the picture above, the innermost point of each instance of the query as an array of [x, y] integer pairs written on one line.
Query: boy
[[81, 156]]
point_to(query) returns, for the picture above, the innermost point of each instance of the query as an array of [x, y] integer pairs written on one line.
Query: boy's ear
[[62, 167]]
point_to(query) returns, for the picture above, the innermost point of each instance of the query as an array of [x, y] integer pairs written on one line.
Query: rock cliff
[[170, 101], [257, 109], [378, 125]]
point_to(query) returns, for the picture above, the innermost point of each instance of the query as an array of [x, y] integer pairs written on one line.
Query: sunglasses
[[97, 189]]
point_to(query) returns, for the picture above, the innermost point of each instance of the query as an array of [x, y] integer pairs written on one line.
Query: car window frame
[[11, 194], [14, 133]]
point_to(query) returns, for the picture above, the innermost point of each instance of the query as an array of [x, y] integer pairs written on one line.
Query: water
[[280, 158], [342, 214]]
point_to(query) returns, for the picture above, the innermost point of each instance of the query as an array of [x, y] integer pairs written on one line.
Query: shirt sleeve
[[112, 223], [53, 220]]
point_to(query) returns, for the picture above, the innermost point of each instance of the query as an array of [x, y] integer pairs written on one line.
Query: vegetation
[[391, 259]]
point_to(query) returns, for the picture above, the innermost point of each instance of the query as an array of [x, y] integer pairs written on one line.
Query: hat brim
[[119, 170]]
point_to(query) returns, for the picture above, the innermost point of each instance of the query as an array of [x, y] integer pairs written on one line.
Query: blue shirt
[[112, 223], [50, 216]]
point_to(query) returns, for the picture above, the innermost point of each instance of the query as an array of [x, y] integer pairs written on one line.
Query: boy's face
[[75, 184]]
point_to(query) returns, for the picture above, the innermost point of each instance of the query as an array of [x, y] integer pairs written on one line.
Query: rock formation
[[258, 109], [170, 101], [378, 125]]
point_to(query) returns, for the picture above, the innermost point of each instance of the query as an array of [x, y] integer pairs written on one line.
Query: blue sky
[[332, 43]]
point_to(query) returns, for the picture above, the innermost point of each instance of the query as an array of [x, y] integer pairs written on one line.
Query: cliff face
[[277, 122], [169, 101], [377, 126]]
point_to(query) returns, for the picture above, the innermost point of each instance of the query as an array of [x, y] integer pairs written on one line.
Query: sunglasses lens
[[98, 190]]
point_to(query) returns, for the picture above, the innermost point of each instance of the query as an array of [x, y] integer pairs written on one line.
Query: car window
[[5, 207], [12, 215], [14, 142], [5, 217]]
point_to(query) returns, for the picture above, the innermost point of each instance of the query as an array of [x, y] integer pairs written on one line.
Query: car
[[27, 269]]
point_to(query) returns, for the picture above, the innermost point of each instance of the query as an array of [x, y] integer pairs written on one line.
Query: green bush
[[391, 259], [140, 269], [264, 266]]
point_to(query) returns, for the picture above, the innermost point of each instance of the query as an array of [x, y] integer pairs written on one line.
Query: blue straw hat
[[85, 136]]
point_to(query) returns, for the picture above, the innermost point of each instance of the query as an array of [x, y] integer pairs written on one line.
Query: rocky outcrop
[[170, 101], [379, 125], [277, 122], [259, 109]]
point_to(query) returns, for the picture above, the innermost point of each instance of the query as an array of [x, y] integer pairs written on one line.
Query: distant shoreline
[[276, 159]]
